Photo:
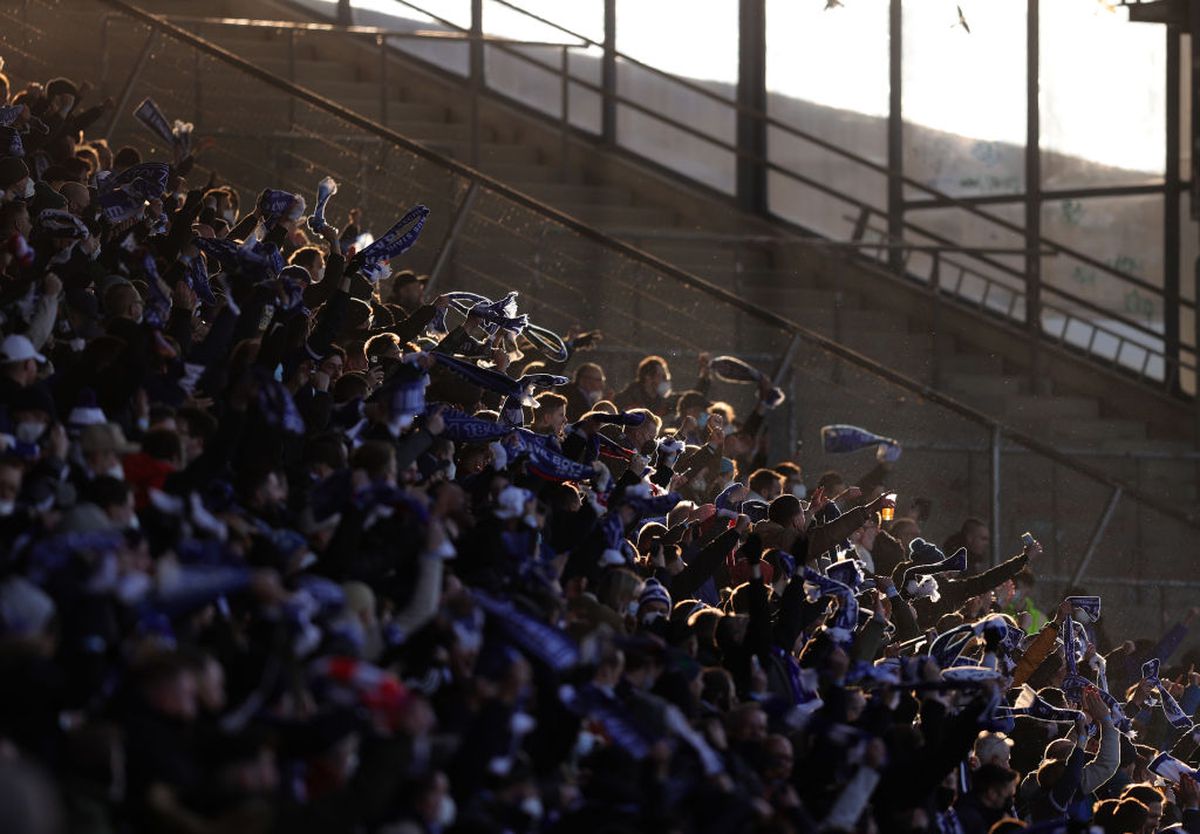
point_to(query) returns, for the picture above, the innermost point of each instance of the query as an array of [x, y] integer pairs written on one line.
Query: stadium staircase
[[1075, 404], [1078, 406]]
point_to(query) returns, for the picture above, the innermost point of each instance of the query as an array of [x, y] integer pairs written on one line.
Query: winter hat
[[924, 553], [12, 171], [61, 86], [25, 609], [85, 413], [653, 591], [511, 502]]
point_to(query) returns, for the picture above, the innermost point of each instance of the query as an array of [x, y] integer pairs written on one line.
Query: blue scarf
[[1179, 719], [158, 306], [461, 426], [1032, 705], [548, 463], [842, 438], [178, 137], [496, 318], [538, 639], [326, 188], [10, 142], [1090, 605], [146, 179], [197, 276], [489, 380], [119, 207], [617, 721], [10, 114], [396, 241], [846, 620], [732, 369], [276, 205], [276, 405]]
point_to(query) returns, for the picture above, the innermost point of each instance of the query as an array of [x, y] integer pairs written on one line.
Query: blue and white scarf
[[841, 438], [489, 380], [845, 622], [1032, 705], [1179, 719], [461, 426], [538, 639], [732, 369], [177, 137], [372, 261], [326, 188]]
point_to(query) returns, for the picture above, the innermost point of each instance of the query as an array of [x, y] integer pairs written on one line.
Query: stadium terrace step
[[1026, 407], [985, 385]]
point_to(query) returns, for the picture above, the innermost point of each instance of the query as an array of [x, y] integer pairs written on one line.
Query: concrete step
[[985, 385], [1061, 407], [557, 193], [971, 363], [1092, 430], [618, 217], [489, 152], [523, 171]]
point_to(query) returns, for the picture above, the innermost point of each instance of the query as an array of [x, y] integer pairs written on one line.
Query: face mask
[[115, 471], [451, 471], [29, 432], [446, 811], [663, 388], [29, 189], [632, 607], [66, 108], [651, 617], [132, 587], [699, 484], [230, 216], [530, 520], [800, 490], [532, 806], [7, 508], [702, 420], [592, 397]]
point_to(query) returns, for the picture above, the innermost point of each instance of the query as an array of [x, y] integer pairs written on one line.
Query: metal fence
[[1114, 520]]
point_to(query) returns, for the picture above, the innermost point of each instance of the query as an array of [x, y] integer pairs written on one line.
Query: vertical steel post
[[564, 104], [996, 442], [895, 132], [1097, 534], [383, 79], [749, 162], [1171, 217], [1033, 193], [608, 75], [127, 90], [456, 227], [477, 75]]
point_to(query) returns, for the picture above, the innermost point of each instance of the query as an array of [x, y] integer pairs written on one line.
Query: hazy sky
[[1102, 77]]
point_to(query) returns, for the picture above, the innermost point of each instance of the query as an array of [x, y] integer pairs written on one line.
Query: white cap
[[18, 348]]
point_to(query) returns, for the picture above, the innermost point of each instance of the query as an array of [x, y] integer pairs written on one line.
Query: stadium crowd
[[288, 546]]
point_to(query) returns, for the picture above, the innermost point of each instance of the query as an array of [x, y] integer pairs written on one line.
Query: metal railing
[[495, 238], [1158, 367], [479, 180]]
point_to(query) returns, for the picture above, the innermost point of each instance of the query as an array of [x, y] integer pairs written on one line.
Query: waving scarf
[[846, 620], [372, 261], [1179, 719], [535, 638], [732, 369], [326, 188], [520, 389], [840, 438]]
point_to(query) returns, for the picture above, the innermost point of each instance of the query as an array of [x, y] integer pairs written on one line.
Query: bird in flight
[[832, 4], [962, 20]]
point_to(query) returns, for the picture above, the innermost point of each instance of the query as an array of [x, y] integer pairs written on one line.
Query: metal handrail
[[1067, 315], [943, 199], [732, 299], [940, 199], [1171, 365]]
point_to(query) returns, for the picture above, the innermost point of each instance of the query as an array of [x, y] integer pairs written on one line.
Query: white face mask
[[531, 521], [29, 432], [632, 608], [532, 806], [451, 471], [446, 812], [115, 471], [7, 508], [29, 188], [230, 216], [800, 490], [592, 397], [699, 484], [132, 587], [663, 388]]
